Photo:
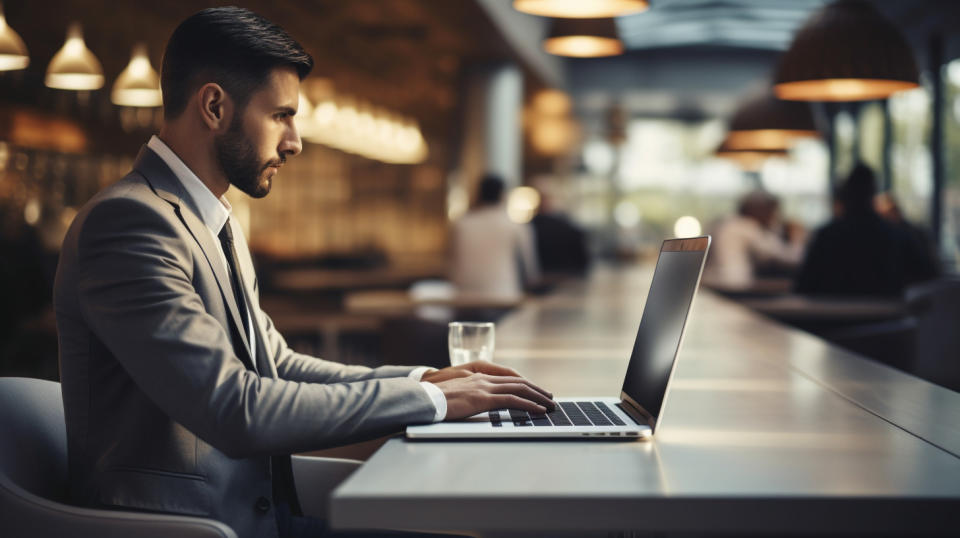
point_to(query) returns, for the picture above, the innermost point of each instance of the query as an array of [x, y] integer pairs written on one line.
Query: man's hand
[[481, 386], [468, 369]]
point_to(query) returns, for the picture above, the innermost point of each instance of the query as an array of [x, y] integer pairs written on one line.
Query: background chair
[[33, 477], [936, 307]]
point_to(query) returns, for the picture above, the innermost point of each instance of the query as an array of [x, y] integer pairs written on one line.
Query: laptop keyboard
[[565, 414]]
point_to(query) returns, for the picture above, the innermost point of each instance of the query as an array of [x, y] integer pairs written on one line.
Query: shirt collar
[[213, 211]]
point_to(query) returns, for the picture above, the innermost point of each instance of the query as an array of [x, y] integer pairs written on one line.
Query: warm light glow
[[580, 9], [522, 204], [840, 89], [751, 161], [765, 139], [687, 227], [583, 46], [13, 51], [74, 67], [361, 129], [138, 84], [552, 103]]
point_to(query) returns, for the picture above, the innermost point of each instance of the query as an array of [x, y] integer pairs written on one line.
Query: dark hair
[[232, 46], [491, 189], [858, 191]]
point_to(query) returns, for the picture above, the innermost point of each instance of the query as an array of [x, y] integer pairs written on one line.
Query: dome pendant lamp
[[13, 52], [138, 85], [583, 38], [74, 67], [580, 9], [846, 51], [765, 123]]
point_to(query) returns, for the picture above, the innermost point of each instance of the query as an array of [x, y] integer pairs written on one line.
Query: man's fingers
[[517, 379], [486, 367], [524, 391], [511, 401]]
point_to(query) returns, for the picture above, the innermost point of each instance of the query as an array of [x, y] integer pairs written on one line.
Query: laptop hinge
[[637, 413]]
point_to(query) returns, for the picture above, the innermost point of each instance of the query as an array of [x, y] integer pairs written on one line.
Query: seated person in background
[[859, 252], [561, 244], [487, 247], [744, 241], [927, 266]]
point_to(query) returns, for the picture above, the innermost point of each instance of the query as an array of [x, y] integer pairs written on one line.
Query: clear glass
[[470, 341]]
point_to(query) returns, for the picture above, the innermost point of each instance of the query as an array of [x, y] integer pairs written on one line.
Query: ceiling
[[755, 24]]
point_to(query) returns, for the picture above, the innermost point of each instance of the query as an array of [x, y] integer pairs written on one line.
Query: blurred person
[[858, 252], [748, 241], [487, 248], [927, 266], [561, 244], [180, 396]]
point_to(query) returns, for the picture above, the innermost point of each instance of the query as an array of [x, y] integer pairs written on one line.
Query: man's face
[[262, 135]]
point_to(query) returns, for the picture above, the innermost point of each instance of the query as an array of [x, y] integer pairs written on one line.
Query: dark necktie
[[281, 468], [226, 241]]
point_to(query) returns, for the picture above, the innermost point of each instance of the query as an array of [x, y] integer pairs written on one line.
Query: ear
[[215, 106]]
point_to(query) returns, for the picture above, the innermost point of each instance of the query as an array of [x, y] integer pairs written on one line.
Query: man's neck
[[199, 159]]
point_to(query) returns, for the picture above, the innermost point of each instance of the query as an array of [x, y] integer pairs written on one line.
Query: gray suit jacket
[[163, 413]]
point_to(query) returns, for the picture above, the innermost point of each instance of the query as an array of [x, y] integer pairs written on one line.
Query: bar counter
[[765, 429]]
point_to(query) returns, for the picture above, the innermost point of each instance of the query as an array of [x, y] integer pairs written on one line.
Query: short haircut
[[491, 189], [231, 46], [858, 190]]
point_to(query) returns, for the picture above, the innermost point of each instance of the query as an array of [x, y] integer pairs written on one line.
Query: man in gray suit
[[180, 395]]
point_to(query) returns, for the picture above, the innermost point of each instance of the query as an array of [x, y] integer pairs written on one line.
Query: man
[[180, 396], [859, 252], [487, 246], [746, 241]]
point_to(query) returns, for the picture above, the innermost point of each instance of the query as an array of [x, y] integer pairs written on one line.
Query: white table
[[765, 429]]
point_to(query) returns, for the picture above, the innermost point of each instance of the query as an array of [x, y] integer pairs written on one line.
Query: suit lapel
[[165, 183], [247, 272]]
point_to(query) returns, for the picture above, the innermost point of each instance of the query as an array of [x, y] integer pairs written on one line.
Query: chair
[[33, 477], [936, 306]]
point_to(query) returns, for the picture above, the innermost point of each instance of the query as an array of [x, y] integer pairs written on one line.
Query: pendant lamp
[[13, 52], [581, 9], [583, 38], [750, 160], [74, 67], [846, 51], [138, 84], [765, 123]]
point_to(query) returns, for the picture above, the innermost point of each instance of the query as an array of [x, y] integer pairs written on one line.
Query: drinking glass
[[470, 341]]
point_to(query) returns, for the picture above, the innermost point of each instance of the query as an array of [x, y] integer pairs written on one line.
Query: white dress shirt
[[739, 243], [214, 213], [486, 245]]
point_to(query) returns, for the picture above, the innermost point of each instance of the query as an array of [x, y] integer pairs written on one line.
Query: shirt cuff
[[417, 373], [438, 399]]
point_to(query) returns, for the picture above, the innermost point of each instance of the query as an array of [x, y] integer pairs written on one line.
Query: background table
[[765, 429]]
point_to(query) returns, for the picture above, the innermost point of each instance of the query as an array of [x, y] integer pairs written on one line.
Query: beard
[[240, 162]]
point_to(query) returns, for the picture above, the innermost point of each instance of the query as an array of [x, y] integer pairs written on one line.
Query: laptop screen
[[675, 281]]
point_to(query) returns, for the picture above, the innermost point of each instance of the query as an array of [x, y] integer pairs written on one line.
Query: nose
[[291, 143]]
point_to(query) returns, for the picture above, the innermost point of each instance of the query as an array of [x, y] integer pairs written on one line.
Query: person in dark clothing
[[859, 252], [561, 244]]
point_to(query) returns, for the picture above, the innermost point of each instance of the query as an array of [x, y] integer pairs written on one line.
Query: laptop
[[637, 412]]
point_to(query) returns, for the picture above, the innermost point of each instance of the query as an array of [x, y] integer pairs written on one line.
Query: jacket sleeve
[[298, 367], [134, 286]]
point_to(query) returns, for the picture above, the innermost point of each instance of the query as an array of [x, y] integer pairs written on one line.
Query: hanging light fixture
[[74, 67], [765, 123], [13, 52], [583, 38], [748, 159], [580, 9], [138, 84], [846, 52]]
